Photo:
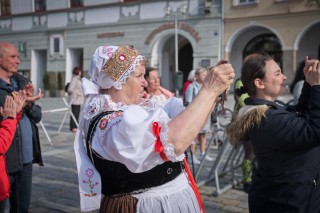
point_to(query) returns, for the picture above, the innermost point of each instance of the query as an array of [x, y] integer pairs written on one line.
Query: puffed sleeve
[[173, 107], [130, 139]]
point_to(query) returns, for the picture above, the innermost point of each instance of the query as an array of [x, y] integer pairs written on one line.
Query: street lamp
[[182, 10]]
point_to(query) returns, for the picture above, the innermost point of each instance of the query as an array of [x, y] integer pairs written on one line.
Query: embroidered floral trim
[[119, 62], [89, 173], [109, 120], [118, 84], [148, 105], [101, 103], [103, 123]]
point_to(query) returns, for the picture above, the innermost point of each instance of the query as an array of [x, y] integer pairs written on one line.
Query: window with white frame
[[5, 8], [56, 45]]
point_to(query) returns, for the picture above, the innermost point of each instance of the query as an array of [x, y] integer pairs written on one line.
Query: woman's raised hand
[[219, 78], [312, 71]]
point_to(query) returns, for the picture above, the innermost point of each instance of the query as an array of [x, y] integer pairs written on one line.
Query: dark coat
[[286, 143], [14, 154]]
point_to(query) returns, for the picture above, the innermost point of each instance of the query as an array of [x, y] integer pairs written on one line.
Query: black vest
[[118, 180]]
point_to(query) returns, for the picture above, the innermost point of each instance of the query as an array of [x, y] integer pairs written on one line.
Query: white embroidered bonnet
[[112, 65]]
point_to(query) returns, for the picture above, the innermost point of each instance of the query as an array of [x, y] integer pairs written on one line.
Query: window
[[244, 2], [39, 5], [56, 45], [5, 7], [56, 48], [76, 3]]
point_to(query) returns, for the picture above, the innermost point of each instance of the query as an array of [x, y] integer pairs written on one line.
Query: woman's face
[[133, 90], [200, 78], [153, 81], [273, 85]]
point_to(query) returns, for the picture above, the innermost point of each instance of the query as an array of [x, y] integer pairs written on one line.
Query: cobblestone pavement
[[55, 185]]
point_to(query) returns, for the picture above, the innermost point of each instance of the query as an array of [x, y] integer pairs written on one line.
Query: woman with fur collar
[[285, 139]]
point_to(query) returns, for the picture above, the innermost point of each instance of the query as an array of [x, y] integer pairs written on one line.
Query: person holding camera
[[285, 138]]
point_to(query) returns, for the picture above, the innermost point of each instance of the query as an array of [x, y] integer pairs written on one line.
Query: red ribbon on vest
[[158, 147], [194, 185]]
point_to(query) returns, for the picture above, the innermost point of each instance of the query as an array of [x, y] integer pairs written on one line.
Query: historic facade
[[55, 36], [287, 29]]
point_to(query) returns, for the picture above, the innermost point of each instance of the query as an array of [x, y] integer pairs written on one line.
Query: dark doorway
[[185, 60], [267, 43]]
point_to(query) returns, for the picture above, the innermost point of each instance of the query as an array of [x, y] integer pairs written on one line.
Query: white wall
[[18, 6], [56, 4], [22, 23], [100, 16]]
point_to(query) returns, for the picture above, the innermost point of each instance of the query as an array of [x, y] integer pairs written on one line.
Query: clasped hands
[[13, 105], [21, 99]]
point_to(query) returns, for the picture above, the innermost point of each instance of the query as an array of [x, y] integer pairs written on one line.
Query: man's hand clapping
[[29, 89]]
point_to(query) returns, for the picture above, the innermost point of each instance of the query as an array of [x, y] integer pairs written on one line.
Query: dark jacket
[[14, 154], [286, 142]]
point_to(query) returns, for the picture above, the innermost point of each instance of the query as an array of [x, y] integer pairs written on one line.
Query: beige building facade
[[287, 29]]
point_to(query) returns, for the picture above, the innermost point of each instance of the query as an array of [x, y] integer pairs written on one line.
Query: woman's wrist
[[209, 94]]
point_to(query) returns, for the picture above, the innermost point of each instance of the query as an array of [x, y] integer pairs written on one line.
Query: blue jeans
[[20, 195]]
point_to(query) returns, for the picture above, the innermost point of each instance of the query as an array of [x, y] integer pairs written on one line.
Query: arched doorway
[[267, 43], [167, 60]]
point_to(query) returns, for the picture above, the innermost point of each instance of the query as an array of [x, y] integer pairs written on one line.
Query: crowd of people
[[130, 150], [285, 138]]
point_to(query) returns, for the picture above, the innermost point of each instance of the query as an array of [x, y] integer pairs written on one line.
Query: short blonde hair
[[200, 70]]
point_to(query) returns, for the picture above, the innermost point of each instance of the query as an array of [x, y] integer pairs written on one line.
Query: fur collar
[[249, 116]]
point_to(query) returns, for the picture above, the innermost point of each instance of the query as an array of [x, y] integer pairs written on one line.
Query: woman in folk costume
[[285, 139], [131, 158]]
